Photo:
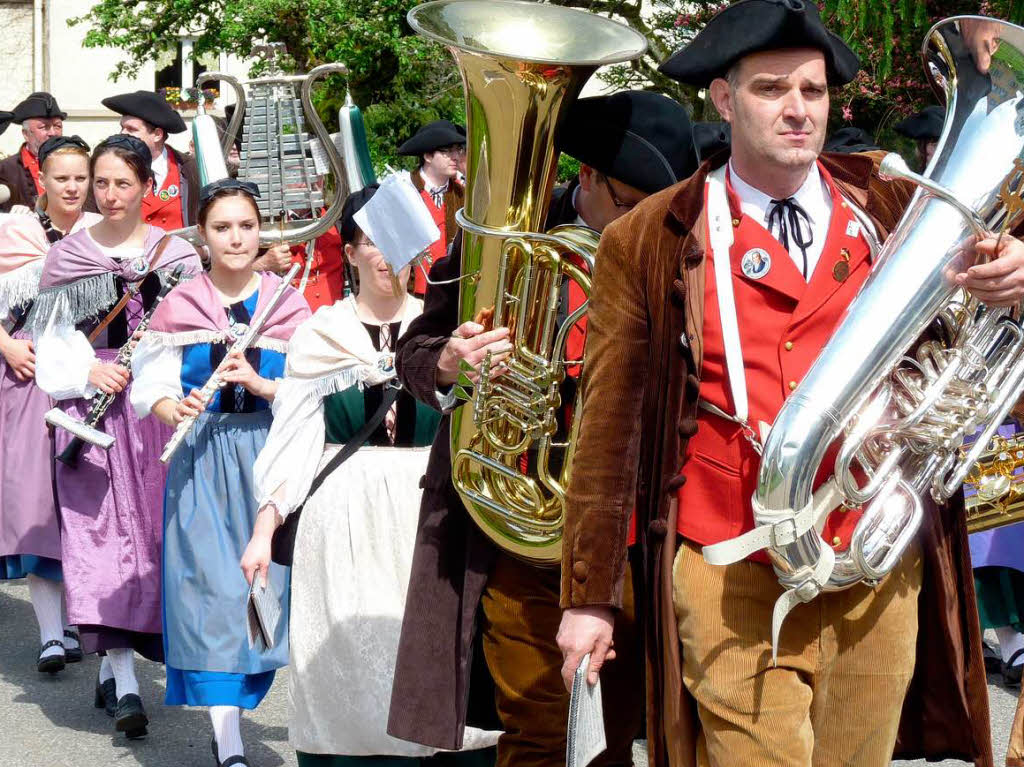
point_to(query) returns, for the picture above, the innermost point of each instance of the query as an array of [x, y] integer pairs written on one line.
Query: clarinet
[[102, 402], [213, 384]]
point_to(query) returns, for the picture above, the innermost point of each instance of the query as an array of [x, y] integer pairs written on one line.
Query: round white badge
[[239, 329], [756, 263], [172, 190], [140, 265]]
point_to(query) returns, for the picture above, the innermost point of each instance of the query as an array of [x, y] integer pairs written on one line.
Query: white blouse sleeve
[[156, 374], [288, 463], [64, 358]]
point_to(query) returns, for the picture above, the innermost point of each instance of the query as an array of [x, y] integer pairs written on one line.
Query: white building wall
[[41, 52]]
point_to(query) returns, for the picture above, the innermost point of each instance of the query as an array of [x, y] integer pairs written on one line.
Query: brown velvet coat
[[641, 384], [15, 175]]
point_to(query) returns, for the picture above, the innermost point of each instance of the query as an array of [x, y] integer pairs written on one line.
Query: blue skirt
[[216, 688], [209, 512], [19, 565]]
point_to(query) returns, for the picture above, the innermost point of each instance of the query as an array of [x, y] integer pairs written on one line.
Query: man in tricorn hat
[[173, 203], [439, 146], [635, 144], [40, 118], [795, 254], [925, 128]]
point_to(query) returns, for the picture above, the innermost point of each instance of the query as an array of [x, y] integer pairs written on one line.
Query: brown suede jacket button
[[579, 571], [658, 528], [694, 255], [692, 385], [687, 427]]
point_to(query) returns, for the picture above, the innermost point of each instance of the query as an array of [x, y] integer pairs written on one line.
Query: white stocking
[[68, 641], [227, 731], [122, 663], [106, 672], [46, 602], [1010, 640]]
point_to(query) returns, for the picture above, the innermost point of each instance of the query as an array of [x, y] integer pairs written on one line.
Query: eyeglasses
[[615, 198], [366, 242], [456, 150]]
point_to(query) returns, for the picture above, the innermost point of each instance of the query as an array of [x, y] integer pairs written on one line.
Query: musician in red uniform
[[40, 118], [439, 145], [174, 200], [850, 662]]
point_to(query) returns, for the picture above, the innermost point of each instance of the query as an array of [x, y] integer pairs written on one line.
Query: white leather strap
[[720, 237], [776, 534], [805, 592]]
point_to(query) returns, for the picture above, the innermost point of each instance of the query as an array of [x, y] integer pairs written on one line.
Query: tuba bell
[[522, 65], [916, 366]]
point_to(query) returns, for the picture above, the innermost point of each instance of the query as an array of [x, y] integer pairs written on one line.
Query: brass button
[[789, 346], [792, 385], [836, 541], [735, 222]]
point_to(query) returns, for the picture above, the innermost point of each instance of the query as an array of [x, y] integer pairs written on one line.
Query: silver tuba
[[915, 366]]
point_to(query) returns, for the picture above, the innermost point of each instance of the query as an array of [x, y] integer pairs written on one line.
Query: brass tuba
[[522, 65], [915, 367]]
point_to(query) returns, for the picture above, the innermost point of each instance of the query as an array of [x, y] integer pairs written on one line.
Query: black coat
[[17, 177]]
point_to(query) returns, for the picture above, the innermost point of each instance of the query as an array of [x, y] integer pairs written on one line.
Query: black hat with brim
[[753, 26], [637, 137], [849, 140], [926, 124], [149, 106], [433, 136], [354, 203], [709, 138], [6, 118], [40, 105]]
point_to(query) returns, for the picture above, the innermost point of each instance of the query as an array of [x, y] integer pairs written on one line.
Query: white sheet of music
[[586, 737]]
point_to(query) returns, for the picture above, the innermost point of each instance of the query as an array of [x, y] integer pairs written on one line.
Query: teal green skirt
[[1000, 597], [483, 757]]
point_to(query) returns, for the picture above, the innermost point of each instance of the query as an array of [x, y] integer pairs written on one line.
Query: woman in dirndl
[[354, 542], [109, 501], [210, 502], [29, 531]]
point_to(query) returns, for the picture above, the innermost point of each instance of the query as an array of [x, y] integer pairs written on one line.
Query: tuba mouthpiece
[[894, 166]]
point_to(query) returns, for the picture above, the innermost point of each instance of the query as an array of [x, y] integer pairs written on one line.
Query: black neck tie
[[784, 221]]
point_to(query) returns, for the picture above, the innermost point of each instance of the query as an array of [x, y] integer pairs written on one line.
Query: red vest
[[437, 250], [784, 322], [326, 283], [164, 209], [31, 163]]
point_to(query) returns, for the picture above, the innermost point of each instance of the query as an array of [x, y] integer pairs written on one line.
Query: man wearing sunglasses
[[440, 145], [40, 118]]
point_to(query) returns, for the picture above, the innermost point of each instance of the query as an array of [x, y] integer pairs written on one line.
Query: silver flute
[[213, 385]]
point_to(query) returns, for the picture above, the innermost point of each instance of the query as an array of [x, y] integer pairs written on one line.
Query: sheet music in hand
[[586, 720], [263, 614]]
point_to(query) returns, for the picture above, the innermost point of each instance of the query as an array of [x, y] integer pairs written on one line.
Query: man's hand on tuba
[[470, 343], [1000, 282]]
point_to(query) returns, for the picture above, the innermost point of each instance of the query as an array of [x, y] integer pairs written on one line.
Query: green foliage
[[399, 79]]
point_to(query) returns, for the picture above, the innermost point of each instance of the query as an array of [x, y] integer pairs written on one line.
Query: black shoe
[[73, 654], [1012, 671], [51, 664], [213, 747], [106, 695], [130, 717], [235, 760]]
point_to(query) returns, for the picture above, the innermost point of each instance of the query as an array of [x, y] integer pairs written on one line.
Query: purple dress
[[111, 503]]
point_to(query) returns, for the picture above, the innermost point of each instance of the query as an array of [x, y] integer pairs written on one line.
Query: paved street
[[51, 722]]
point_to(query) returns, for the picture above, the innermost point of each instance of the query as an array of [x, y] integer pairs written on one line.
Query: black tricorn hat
[[353, 204], [149, 106], [638, 137], [433, 136], [849, 140], [926, 124], [6, 118], [751, 26], [39, 104], [710, 138]]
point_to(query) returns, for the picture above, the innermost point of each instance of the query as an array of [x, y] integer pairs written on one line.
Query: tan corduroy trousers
[[845, 661]]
